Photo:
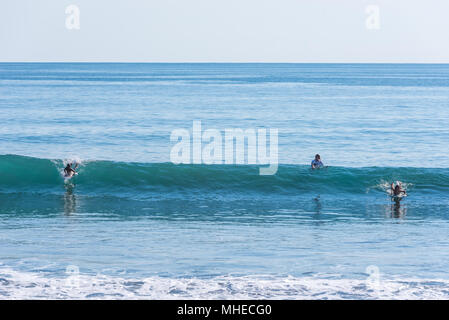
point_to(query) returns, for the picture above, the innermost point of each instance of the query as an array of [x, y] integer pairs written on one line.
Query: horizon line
[[223, 62]]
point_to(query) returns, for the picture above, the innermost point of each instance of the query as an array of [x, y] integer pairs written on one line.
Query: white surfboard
[[398, 196], [70, 175]]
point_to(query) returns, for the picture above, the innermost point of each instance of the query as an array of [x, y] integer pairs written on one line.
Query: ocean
[[134, 225]]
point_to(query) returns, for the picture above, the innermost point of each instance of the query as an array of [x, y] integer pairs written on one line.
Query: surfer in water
[[396, 190], [316, 163], [68, 171]]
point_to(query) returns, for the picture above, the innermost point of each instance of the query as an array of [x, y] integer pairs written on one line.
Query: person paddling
[[316, 163], [396, 190], [68, 171]]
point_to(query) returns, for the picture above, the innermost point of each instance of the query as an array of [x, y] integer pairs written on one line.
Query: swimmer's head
[[317, 157]]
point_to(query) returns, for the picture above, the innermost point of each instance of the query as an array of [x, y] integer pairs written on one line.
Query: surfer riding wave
[[396, 191], [68, 171]]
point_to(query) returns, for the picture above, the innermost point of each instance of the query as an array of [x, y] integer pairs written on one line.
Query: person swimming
[[316, 163], [397, 190], [68, 171]]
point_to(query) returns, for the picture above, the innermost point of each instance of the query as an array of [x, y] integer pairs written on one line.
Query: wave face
[[19, 174]]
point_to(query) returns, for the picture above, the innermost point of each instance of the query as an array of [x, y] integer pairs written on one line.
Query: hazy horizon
[[201, 31]]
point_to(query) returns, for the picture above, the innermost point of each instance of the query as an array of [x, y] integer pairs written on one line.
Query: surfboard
[[398, 196], [70, 175]]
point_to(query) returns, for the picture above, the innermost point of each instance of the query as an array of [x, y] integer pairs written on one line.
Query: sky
[[401, 31]]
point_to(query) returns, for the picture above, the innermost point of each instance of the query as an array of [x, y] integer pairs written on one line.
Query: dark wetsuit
[[68, 171]]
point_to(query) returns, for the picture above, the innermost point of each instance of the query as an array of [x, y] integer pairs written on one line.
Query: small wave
[[19, 173]]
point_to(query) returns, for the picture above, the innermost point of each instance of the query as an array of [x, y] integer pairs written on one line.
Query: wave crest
[[24, 173]]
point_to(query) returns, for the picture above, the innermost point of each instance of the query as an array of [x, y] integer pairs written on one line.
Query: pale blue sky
[[225, 31]]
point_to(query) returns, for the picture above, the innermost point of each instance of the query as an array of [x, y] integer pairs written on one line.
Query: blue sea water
[[134, 225]]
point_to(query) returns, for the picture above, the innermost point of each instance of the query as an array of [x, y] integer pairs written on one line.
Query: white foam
[[28, 285], [386, 186], [75, 160], [72, 159]]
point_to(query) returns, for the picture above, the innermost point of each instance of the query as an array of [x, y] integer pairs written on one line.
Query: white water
[[28, 285]]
